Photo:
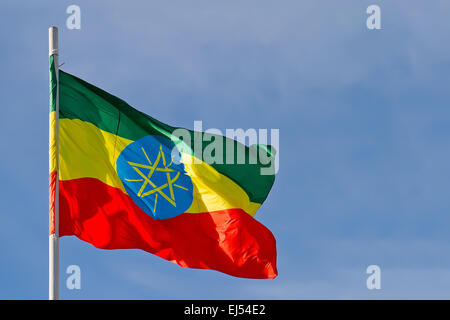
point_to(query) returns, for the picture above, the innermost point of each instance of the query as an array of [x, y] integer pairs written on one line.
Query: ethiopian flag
[[125, 180]]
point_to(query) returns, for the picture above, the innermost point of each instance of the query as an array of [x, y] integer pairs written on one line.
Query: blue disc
[[154, 178]]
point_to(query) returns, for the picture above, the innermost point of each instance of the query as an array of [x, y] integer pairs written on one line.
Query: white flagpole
[[53, 271]]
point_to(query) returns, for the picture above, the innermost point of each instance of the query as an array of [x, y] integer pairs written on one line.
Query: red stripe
[[230, 241], [51, 202]]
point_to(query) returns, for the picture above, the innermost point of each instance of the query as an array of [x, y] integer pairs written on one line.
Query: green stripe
[[81, 100], [53, 84]]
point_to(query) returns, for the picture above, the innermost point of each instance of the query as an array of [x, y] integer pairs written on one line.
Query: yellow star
[[146, 179]]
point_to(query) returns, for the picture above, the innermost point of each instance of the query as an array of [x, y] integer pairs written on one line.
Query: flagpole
[[53, 271]]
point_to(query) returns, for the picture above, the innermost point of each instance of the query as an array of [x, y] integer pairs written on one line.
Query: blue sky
[[364, 137]]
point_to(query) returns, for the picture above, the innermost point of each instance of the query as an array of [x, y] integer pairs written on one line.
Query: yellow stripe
[[52, 142], [87, 151], [214, 191]]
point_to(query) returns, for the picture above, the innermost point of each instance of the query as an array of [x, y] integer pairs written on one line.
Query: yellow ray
[[156, 199], [146, 156]]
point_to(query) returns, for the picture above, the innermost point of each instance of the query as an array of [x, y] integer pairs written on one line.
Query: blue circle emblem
[[153, 178]]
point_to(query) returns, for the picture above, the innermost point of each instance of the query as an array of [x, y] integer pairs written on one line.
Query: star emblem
[[148, 187]]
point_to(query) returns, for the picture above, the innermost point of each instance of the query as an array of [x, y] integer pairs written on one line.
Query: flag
[[126, 180]]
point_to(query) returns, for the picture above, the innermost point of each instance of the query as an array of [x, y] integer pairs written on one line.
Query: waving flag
[[127, 180]]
